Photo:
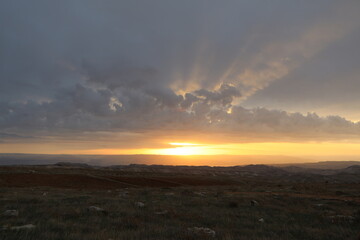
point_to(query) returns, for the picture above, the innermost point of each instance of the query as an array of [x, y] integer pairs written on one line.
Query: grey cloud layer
[[84, 109], [89, 66]]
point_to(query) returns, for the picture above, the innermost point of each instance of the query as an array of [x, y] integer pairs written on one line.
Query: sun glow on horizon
[[184, 149], [179, 148], [181, 151], [269, 148]]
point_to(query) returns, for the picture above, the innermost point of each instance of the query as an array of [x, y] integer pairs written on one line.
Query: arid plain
[[78, 201]]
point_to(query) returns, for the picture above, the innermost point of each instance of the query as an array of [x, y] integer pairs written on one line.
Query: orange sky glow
[[267, 148]]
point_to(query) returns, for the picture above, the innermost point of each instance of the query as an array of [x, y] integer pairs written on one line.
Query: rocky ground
[[47, 202]]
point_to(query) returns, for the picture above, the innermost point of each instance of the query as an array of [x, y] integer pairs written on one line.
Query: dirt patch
[[72, 181], [79, 181]]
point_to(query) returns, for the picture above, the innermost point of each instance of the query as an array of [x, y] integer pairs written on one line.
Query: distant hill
[[352, 169], [142, 163], [262, 169], [321, 165], [72, 165], [107, 160], [350, 174]]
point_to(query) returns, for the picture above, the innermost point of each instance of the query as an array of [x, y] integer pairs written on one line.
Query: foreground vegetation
[[232, 212]]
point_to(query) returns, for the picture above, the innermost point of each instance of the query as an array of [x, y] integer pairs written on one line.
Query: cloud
[[12, 136], [276, 60], [224, 95], [83, 109]]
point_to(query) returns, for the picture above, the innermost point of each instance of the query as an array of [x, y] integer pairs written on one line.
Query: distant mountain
[[321, 165]]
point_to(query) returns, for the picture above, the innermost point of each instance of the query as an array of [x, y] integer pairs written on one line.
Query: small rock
[[23, 227], [140, 204], [201, 194], [161, 212], [202, 231], [11, 213], [96, 209]]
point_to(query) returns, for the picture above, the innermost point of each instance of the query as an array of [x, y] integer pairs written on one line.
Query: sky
[[186, 77]]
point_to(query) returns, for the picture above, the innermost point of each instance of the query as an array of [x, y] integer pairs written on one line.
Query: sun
[[183, 149], [180, 151]]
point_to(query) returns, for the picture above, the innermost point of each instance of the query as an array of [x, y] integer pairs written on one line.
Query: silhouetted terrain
[[79, 201], [198, 160]]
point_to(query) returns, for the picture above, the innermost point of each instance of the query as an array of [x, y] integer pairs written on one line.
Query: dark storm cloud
[[90, 66]]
